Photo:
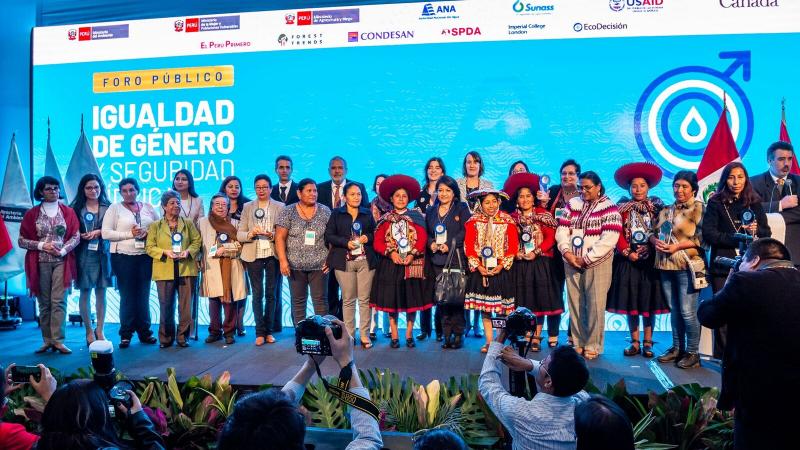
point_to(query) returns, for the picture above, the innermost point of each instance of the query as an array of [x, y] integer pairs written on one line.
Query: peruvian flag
[[784, 136], [721, 151], [5, 238]]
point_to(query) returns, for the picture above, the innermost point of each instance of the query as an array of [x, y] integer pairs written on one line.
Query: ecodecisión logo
[[578, 27]]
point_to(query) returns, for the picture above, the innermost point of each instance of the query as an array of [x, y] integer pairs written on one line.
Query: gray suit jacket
[[248, 222]]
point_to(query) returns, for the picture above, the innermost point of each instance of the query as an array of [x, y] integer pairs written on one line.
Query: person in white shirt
[[547, 421]]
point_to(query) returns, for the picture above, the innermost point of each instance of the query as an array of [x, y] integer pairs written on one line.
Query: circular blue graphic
[[578, 26], [697, 86]]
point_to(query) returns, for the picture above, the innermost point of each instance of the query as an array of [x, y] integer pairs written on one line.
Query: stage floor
[[277, 363]]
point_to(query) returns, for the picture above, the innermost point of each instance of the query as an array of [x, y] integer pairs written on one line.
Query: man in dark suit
[[759, 368], [285, 190], [778, 191], [331, 194]]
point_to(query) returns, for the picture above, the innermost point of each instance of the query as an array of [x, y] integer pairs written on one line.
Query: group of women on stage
[[519, 246]]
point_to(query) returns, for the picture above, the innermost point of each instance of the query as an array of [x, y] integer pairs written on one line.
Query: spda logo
[[677, 112]]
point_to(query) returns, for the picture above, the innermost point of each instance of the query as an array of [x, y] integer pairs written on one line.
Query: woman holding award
[[587, 235], [536, 287], [224, 281], [400, 239], [174, 243], [350, 233], [734, 211], [93, 260], [490, 243], [256, 232]]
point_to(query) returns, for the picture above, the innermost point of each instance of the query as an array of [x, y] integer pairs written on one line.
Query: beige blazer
[[211, 283], [248, 222]]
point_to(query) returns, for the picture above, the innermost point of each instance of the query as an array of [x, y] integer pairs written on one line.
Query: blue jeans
[[682, 298]]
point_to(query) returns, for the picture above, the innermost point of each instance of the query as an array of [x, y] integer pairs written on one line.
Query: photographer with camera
[[13, 435], [272, 419], [733, 218], [759, 306], [547, 421]]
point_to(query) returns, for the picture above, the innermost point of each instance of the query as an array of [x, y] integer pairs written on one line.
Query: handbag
[[451, 283], [697, 271]]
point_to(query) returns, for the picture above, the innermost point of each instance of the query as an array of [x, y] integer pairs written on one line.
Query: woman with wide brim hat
[[635, 287], [490, 243], [400, 239], [537, 288]]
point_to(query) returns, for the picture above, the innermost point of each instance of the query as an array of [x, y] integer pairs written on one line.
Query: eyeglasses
[[262, 188], [51, 189], [588, 188]]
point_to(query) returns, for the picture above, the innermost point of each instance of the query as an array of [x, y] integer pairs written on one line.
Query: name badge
[[311, 237], [527, 242], [177, 239], [138, 243], [489, 260], [441, 234], [94, 244], [262, 245]]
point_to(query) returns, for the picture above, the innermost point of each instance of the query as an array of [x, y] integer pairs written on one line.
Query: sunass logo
[[85, 33], [304, 17], [193, 25], [462, 31]]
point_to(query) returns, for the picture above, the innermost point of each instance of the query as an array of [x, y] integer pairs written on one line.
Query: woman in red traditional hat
[[536, 287], [400, 238], [635, 284], [490, 243]]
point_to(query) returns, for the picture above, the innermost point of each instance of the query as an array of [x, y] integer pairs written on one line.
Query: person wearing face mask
[[490, 242], [547, 421], [49, 232], [723, 220], [587, 235], [400, 239], [434, 170], [536, 287], [635, 286]]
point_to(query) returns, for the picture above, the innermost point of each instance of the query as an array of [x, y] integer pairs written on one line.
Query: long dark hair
[[441, 164], [189, 177], [384, 176], [76, 416], [452, 184], [723, 194], [242, 199], [80, 197]]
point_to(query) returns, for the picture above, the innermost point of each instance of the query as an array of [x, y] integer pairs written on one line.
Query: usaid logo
[[636, 5]]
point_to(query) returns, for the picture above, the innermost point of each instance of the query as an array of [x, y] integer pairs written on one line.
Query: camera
[[516, 324], [22, 374], [310, 337], [105, 375], [728, 263]]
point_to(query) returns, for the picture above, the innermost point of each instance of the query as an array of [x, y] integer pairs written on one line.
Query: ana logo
[[616, 5], [72, 34], [748, 3], [304, 17], [289, 19], [193, 25], [178, 24], [462, 31], [529, 8], [677, 112], [282, 40], [352, 36], [440, 11]]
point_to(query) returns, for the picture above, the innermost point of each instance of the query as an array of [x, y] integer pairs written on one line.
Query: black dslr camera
[[105, 375], [310, 337], [516, 324], [744, 240]]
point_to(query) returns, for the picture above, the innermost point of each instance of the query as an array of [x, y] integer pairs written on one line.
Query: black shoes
[[125, 343], [228, 340], [183, 344], [148, 340], [410, 342], [213, 338], [669, 356], [373, 337], [456, 342], [422, 336], [241, 333], [395, 343], [689, 361]]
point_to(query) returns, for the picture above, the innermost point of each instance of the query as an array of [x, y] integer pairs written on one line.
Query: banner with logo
[[389, 86]]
